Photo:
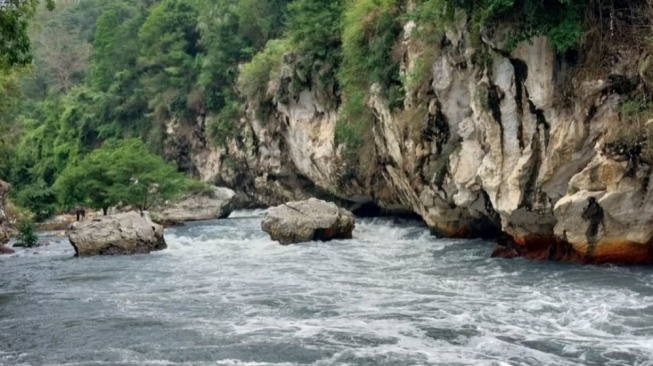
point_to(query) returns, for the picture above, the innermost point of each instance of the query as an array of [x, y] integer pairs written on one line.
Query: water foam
[[225, 294]]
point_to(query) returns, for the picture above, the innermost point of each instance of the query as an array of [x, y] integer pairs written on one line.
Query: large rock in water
[[216, 205], [124, 233], [304, 221]]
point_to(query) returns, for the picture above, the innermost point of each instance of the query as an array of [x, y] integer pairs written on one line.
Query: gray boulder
[[311, 220], [215, 205], [124, 233]]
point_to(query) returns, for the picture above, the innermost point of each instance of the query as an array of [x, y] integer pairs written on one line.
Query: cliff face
[[510, 148]]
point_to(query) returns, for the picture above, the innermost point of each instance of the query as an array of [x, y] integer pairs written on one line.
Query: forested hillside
[[114, 69]]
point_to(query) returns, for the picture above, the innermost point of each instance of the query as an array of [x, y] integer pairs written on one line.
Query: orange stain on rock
[[544, 248]]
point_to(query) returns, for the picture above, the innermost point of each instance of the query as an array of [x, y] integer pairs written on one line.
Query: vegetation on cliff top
[[100, 71]]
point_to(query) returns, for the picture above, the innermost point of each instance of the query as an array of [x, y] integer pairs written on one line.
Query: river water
[[224, 294]]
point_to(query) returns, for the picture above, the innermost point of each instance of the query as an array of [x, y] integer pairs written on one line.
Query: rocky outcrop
[[124, 233], [608, 215], [311, 220], [7, 229], [216, 204], [507, 143]]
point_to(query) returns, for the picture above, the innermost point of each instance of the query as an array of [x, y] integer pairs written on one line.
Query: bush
[[27, 236], [632, 137], [199, 188], [223, 126], [255, 75], [313, 26], [371, 29], [560, 20], [39, 199]]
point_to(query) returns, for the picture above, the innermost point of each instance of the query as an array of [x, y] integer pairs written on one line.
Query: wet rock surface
[[216, 204], [124, 233], [305, 221]]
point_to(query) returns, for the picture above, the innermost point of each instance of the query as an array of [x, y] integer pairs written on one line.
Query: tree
[[66, 57], [15, 44], [120, 172], [170, 49], [314, 25]]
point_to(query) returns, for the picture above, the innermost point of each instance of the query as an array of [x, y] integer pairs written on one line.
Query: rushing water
[[225, 294]]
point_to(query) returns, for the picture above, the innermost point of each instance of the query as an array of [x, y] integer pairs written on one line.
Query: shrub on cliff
[[265, 66], [371, 29], [632, 137]]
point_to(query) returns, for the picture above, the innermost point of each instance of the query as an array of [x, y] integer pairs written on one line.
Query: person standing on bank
[[80, 212]]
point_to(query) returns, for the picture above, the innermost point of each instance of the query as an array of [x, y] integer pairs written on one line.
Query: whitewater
[[224, 294]]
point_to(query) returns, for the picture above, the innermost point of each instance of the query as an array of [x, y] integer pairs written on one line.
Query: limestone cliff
[[510, 147]]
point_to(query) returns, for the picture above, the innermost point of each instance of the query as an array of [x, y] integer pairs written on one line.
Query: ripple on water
[[224, 294]]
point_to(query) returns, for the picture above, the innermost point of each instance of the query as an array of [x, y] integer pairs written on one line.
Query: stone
[[6, 250], [124, 233], [608, 218], [305, 221], [216, 205], [499, 139]]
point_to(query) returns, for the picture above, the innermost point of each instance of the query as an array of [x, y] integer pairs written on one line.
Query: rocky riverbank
[[515, 147]]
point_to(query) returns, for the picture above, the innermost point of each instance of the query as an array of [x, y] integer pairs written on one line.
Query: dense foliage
[[120, 172], [100, 71]]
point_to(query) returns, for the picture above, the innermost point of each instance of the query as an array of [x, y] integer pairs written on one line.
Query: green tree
[[15, 45], [120, 172], [171, 48], [314, 26]]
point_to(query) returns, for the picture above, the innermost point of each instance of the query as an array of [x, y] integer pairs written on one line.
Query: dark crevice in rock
[[521, 73], [440, 175], [494, 103], [489, 209], [645, 184], [521, 93], [541, 122], [529, 188], [621, 84], [437, 127], [591, 112], [371, 209], [594, 214]]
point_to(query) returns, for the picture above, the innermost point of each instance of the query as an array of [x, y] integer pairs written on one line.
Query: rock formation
[[7, 229], [216, 204], [311, 220], [507, 143], [124, 233]]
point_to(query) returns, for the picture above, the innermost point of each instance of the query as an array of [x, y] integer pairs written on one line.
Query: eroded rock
[[608, 218], [124, 233], [215, 205], [311, 220], [488, 148]]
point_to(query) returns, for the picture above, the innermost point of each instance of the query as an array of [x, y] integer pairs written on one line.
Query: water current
[[224, 294]]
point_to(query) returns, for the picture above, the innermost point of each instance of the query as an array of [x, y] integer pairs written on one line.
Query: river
[[224, 294]]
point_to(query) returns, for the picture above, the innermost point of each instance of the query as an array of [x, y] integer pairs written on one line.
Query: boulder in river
[[6, 250], [124, 233], [216, 204], [311, 220]]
